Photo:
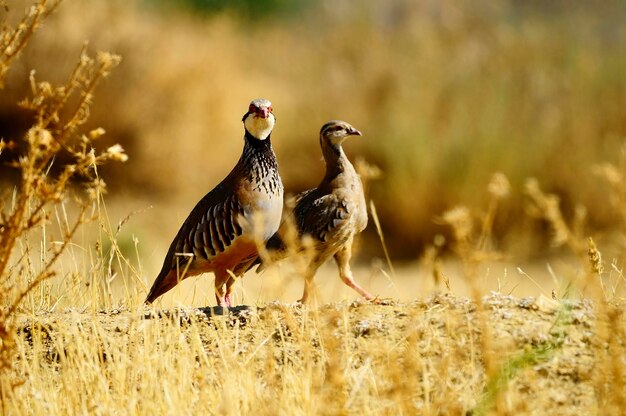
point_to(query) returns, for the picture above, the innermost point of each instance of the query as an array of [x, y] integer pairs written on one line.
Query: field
[[493, 158], [424, 357]]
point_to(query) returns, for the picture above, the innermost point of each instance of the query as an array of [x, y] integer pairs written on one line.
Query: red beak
[[263, 112]]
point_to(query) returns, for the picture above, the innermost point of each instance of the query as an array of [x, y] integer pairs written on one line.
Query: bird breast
[[262, 203], [348, 188]]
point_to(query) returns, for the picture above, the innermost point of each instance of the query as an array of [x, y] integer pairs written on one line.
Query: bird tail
[[166, 280]]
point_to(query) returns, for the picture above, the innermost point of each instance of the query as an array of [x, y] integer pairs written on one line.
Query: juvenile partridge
[[331, 214]]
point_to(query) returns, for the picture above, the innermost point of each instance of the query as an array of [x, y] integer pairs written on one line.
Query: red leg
[[309, 286], [229, 291], [220, 293], [342, 258]]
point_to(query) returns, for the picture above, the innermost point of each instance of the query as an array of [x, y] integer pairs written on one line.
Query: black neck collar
[[257, 143]]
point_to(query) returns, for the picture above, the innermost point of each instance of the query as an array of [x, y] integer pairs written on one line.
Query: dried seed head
[[460, 220], [595, 258], [547, 206], [108, 61], [70, 170], [39, 137], [91, 157], [45, 88], [116, 152], [96, 188], [96, 133], [499, 186], [366, 170], [609, 172]]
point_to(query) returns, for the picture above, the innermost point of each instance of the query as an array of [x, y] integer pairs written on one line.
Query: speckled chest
[[261, 198]]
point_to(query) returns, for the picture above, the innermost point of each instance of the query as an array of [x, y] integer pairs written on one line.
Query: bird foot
[[374, 299], [225, 302], [228, 300], [377, 300]]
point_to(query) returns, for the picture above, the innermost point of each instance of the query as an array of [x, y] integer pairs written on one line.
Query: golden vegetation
[[446, 93], [422, 357], [444, 354], [44, 182]]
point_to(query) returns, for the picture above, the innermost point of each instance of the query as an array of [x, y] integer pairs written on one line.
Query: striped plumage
[[332, 214], [222, 232]]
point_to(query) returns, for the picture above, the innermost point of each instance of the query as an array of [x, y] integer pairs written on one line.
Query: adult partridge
[[224, 230]]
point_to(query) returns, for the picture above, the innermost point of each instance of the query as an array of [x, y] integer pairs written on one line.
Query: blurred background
[[447, 93]]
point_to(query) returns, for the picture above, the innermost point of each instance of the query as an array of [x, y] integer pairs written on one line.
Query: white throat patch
[[259, 127]]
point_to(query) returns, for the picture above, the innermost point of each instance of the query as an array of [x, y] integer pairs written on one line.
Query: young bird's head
[[259, 120], [336, 131]]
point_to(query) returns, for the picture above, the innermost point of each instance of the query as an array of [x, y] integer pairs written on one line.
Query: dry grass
[[75, 338], [44, 184], [420, 357]]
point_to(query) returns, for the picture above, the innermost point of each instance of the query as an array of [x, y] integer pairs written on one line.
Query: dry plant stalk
[[608, 329], [547, 207], [44, 182], [474, 249], [609, 380], [614, 177], [431, 260], [14, 39], [368, 172]]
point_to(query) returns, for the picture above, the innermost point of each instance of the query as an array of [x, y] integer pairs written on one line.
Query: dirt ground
[[540, 351]]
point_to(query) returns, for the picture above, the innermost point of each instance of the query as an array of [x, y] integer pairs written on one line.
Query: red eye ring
[[270, 109]]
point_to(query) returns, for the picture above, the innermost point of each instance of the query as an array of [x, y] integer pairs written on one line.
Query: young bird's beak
[[354, 132]]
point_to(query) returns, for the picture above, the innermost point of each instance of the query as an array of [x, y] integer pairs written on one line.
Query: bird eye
[[270, 109]]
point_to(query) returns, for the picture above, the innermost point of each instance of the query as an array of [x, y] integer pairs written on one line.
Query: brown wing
[[323, 216], [208, 230], [212, 231]]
